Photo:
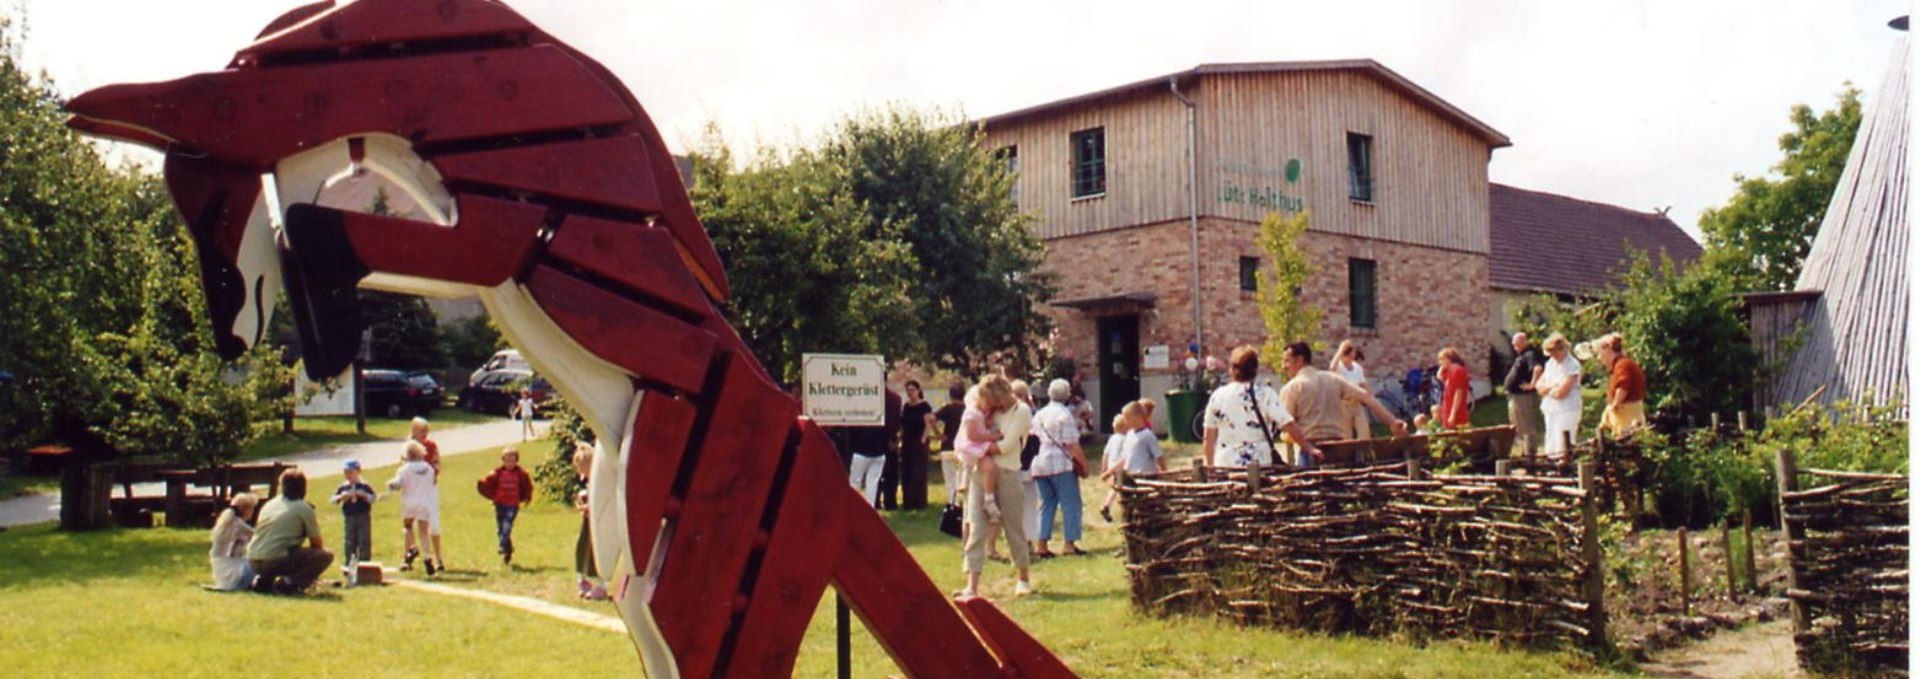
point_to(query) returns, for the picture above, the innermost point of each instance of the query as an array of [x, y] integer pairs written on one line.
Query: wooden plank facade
[[1254, 122]]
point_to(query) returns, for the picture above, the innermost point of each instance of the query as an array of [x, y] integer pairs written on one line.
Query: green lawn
[[311, 433], [121, 603]]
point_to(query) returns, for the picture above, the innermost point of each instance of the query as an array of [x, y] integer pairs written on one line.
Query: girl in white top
[[414, 480], [1346, 364], [231, 533], [1110, 462], [1559, 388]]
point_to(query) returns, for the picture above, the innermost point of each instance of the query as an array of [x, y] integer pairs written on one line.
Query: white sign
[[1157, 358], [844, 390]]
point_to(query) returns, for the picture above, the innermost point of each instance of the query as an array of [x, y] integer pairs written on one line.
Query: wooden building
[[1848, 311], [1148, 197]]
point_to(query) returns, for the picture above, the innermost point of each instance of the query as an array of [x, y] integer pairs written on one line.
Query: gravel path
[[1764, 650]]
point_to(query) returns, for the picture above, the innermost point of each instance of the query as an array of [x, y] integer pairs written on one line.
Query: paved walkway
[[29, 509], [570, 614]]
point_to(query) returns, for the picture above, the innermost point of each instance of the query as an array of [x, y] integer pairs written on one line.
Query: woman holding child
[[993, 483]]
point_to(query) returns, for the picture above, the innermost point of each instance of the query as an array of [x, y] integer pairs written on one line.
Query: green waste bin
[[1183, 415]]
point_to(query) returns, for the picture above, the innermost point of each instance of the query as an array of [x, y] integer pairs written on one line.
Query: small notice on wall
[[1156, 358], [844, 390]]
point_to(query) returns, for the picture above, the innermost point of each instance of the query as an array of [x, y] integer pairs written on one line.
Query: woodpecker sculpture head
[[452, 100]]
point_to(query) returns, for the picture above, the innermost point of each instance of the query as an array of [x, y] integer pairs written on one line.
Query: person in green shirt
[[279, 563]]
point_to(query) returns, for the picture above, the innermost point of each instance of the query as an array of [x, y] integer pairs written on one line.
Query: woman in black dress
[[916, 420], [949, 418]]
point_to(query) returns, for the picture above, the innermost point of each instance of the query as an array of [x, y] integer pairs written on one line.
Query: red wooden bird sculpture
[[719, 515]]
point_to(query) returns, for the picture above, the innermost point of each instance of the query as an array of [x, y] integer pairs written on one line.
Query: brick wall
[[1427, 298]]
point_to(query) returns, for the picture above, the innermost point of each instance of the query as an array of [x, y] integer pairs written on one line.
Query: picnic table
[[183, 507]]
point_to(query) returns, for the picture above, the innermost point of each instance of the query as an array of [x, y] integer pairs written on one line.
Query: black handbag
[[950, 520]]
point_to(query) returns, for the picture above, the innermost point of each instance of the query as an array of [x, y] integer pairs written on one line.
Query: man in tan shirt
[[1317, 399]]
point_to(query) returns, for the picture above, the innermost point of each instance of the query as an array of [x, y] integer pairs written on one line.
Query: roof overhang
[[1126, 301], [1777, 297], [1386, 76]]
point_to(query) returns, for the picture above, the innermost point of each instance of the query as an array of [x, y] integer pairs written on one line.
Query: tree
[[1769, 223], [925, 180], [1683, 327], [405, 333], [103, 321], [1278, 293], [806, 273], [471, 341]]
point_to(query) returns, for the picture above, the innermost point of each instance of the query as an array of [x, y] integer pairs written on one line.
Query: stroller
[[1419, 392]]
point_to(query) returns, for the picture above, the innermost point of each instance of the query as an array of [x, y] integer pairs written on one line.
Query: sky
[[1641, 104]]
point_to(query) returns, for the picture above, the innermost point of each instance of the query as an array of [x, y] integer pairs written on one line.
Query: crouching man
[[279, 563]]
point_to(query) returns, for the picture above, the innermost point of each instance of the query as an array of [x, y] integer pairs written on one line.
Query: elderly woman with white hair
[[1559, 389], [1058, 468]]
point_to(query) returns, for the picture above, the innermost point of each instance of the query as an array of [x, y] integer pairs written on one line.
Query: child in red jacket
[[508, 486]]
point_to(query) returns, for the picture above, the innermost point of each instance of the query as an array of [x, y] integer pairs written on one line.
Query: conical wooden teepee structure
[[1854, 284]]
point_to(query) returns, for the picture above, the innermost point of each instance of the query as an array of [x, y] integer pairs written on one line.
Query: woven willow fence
[[1370, 551], [1847, 545]]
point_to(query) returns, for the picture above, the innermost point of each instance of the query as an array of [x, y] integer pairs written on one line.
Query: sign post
[[844, 390]]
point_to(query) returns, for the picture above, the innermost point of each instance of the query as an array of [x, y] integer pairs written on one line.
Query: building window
[[1249, 274], [1360, 293], [1360, 167], [1009, 158], [1089, 162]]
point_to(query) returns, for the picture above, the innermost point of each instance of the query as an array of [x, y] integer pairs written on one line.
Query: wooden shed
[[1848, 313]]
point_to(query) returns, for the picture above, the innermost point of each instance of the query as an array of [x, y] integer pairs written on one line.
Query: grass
[[311, 433], [122, 603]]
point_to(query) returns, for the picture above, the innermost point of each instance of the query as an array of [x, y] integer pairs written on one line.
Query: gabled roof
[[1544, 242], [1384, 75]]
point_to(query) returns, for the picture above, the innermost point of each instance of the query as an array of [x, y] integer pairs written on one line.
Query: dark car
[[397, 394], [498, 390]]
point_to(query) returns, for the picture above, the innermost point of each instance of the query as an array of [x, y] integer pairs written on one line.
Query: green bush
[[555, 476], [1705, 476]]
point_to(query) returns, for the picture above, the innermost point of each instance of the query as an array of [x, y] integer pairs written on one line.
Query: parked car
[[398, 394], [504, 359], [498, 390]]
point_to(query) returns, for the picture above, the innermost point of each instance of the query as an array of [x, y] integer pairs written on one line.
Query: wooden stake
[[1200, 468], [1713, 420], [1413, 466], [1686, 575], [1746, 530], [1502, 467], [1253, 479], [1726, 550], [1787, 476], [1741, 420], [1595, 584]]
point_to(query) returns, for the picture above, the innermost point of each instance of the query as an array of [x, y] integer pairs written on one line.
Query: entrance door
[[1119, 364]]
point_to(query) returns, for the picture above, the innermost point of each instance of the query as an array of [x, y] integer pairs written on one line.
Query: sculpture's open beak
[[219, 199], [130, 113]]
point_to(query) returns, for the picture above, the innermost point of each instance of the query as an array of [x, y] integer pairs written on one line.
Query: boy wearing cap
[[356, 507]]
